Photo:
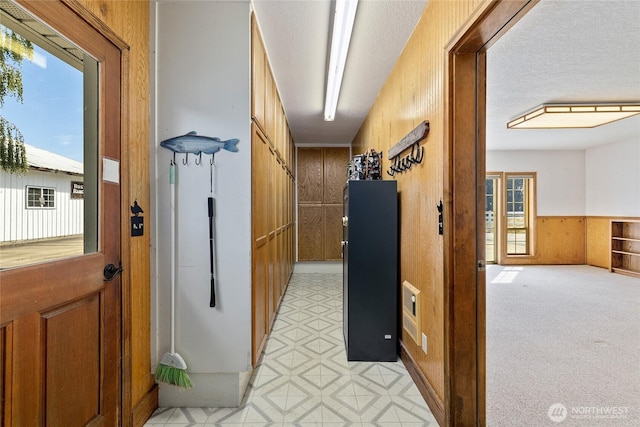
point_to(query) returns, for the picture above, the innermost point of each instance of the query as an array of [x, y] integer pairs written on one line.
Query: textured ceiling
[[561, 51]]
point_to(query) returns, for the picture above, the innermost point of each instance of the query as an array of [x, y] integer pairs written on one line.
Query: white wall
[[560, 177], [202, 79], [19, 223], [613, 179]]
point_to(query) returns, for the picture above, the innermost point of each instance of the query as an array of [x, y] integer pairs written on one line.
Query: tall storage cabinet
[[370, 269]]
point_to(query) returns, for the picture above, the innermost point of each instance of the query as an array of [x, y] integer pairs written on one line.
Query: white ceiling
[[561, 51], [564, 51]]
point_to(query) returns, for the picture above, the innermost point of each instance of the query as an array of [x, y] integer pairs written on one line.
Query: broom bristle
[[174, 376]]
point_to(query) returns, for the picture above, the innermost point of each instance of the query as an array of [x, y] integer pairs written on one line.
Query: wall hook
[[421, 156], [407, 162], [185, 161]]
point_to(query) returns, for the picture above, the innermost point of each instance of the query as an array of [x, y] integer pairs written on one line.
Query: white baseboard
[[215, 390]]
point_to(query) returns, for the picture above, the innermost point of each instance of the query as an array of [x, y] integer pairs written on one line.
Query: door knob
[[110, 271]]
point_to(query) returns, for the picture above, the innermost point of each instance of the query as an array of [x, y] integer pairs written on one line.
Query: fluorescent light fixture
[[551, 116], [345, 14]]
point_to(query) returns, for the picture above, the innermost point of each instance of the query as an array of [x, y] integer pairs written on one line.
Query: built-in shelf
[[625, 247]]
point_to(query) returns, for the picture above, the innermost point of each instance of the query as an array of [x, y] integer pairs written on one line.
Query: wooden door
[[321, 179], [260, 241], [60, 320]]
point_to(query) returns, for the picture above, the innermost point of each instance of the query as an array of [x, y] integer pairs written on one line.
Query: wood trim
[[615, 218], [126, 373], [488, 23], [6, 358], [426, 390], [96, 23], [461, 369], [145, 407], [463, 173], [481, 279], [261, 241]]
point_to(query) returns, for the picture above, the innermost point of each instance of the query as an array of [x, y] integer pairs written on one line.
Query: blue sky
[[51, 115]]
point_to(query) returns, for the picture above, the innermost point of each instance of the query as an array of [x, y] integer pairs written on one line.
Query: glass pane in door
[[491, 220], [516, 215], [48, 144]]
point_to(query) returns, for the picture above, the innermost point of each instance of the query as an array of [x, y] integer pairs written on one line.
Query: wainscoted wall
[[558, 240], [415, 91]]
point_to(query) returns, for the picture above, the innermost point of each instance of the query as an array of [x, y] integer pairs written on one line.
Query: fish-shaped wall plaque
[[196, 144]]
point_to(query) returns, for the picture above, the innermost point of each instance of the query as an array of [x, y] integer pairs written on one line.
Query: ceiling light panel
[[345, 13], [553, 116]]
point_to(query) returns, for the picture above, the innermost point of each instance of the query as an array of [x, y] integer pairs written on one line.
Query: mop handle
[[172, 182], [212, 207]]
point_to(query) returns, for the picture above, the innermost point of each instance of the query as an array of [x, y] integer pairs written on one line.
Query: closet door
[[321, 179]]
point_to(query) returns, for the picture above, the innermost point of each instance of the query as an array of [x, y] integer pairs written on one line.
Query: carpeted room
[[566, 335]]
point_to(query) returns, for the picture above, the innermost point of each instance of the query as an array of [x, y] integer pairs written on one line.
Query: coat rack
[[411, 140]]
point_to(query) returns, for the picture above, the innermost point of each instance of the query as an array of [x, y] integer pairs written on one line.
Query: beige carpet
[[563, 347]]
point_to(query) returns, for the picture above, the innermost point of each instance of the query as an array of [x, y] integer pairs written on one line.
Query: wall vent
[[411, 311]]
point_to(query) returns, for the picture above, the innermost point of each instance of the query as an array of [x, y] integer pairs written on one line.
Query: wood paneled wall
[[415, 91], [272, 195], [130, 21], [321, 179], [597, 241], [558, 240]]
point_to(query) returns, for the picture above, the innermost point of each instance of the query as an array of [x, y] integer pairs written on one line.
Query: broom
[[172, 368]]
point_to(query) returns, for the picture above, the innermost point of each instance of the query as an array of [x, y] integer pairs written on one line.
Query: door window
[[491, 218], [517, 215], [48, 144]]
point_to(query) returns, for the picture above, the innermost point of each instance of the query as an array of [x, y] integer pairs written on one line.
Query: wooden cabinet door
[[335, 174], [260, 228], [60, 320], [310, 232], [321, 179], [332, 232], [310, 186]]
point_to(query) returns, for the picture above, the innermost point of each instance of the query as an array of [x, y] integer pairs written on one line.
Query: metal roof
[[45, 160]]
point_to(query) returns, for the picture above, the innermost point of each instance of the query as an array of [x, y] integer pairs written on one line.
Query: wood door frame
[[124, 311], [464, 178]]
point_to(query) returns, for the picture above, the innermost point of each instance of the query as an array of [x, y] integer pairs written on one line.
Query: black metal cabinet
[[370, 269]]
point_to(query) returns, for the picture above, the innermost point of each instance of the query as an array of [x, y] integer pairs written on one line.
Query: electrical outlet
[[424, 343]]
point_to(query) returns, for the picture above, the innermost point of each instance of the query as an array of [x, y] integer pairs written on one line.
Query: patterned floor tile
[[304, 379]]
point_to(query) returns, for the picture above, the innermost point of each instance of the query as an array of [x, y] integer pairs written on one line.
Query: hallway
[[304, 379]]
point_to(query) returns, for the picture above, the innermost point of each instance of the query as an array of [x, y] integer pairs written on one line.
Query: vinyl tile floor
[[304, 378]]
